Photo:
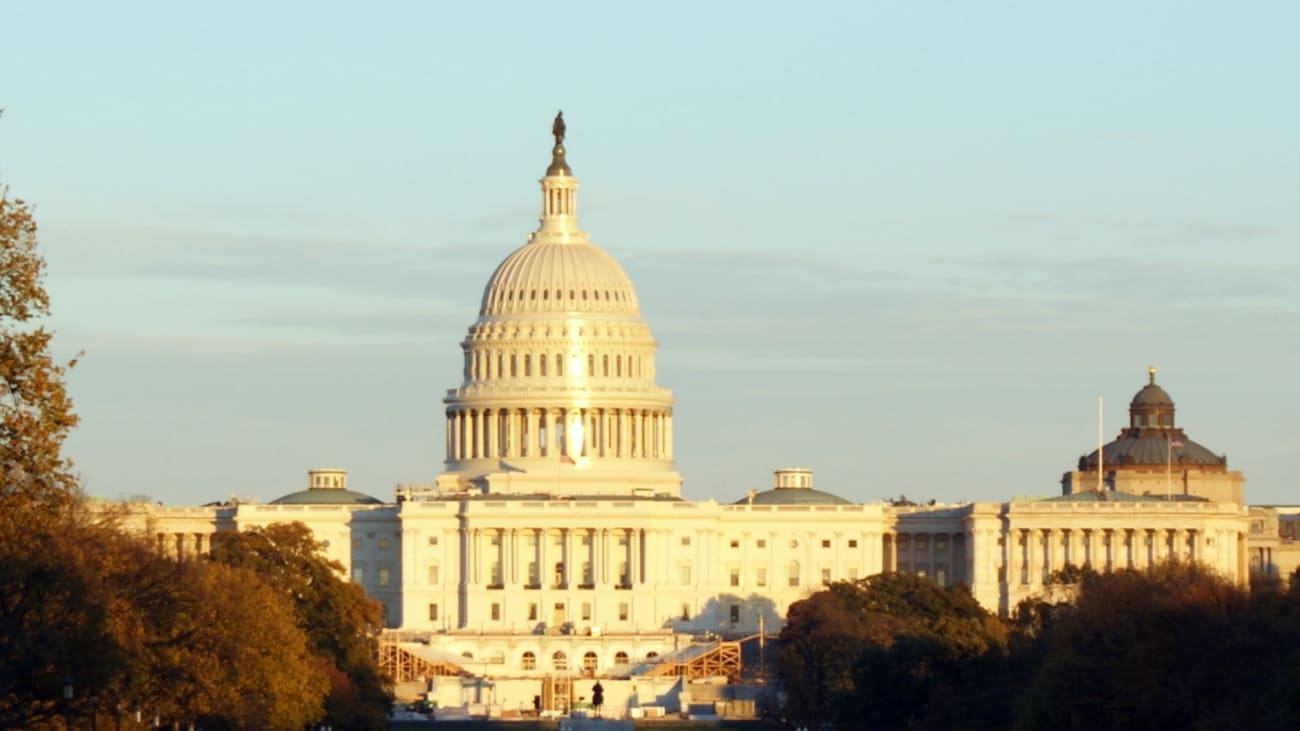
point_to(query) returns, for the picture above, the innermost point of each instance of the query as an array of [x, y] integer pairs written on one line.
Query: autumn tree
[[35, 411], [342, 624], [42, 602]]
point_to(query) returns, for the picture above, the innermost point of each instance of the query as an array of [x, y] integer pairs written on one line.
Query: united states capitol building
[[557, 540]]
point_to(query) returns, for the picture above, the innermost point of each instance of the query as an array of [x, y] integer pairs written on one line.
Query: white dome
[[547, 277]]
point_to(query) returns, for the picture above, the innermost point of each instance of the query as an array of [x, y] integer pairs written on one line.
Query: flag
[[566, 459]]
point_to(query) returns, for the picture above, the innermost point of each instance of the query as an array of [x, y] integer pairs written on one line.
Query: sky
[[907, 245]]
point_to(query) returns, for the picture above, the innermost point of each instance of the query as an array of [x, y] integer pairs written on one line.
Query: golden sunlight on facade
[[556, 543]]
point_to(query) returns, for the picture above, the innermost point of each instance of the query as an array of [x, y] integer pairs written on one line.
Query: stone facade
[[556, 539]]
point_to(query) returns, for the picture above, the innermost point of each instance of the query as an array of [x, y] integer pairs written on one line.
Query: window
[[586, 611], [358, 575], [735, 614], [433, 612], [529, 661], [385, 544], [496, 612], [384, 575], [433, 540], [826, 577], [534, 575], [794, 543], [735, 543], [826, 544], [922, 543], [433, 574], [853, 573], [620, 658], [559, 660], [853, 543], [792, 573], [686, 540], [735, 577], [940, 544], [684, 574], [760, 576], [589, 662], [532, 612], [762, 543], [622, 611]]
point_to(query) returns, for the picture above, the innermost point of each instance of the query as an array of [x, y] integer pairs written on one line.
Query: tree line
[[1177, 646], [99, 629]]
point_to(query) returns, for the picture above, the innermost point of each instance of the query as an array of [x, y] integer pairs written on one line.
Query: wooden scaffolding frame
[[722, 659], [404, 666]]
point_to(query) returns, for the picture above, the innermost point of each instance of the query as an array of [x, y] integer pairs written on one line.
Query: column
[[1033, 547], [668, 435], [635, 574], [453, 428], [620, 439], [494, 433], [548, 419]]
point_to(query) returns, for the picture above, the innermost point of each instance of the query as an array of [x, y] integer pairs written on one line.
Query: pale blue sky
[[907, 245]]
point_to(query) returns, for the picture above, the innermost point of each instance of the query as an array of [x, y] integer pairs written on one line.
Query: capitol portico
[[557, 539]]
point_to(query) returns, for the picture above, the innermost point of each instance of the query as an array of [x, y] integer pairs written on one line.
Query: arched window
[[620, 658], [529, 661], [467, 655], [589, 662], [559, 660], [651, 655]]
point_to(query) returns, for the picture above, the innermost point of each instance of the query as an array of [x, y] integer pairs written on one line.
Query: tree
[[1177, 646], [47, 619], [35, 411], [342, 624], [877, 652]]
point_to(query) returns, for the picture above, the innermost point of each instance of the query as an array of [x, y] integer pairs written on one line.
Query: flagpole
[[1169, 467], [1101, 440]]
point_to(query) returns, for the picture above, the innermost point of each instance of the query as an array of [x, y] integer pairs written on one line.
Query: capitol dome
[[558, 395], [552, 277]]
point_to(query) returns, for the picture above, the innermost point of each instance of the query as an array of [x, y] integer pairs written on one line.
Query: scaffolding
[[406, 661], [713, 660]]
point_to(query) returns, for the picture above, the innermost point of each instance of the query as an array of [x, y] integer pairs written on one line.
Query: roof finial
[[559, 166], [1151, 373], [557, 127]]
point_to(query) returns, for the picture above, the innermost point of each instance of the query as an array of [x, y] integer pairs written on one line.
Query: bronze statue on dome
[[557, 128]]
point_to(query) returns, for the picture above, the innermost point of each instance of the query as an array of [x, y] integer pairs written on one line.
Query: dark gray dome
[[1131, 450], [326, 496], [793, 496]]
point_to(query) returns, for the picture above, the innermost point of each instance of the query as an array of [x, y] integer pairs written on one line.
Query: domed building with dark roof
[[327, 487], [1153, 457]]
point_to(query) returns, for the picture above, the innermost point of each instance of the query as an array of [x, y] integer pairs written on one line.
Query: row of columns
[[183, 545], [1034, 553], [482, 365], [516, 433], [558, 566]]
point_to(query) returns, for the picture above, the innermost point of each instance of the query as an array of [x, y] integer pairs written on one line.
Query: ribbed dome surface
[[1134, 450], [544, 277], [798, 496], [1151, 395]]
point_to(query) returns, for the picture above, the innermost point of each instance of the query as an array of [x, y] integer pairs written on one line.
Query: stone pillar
[[548, 419], [668, 436], [494, 433]]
